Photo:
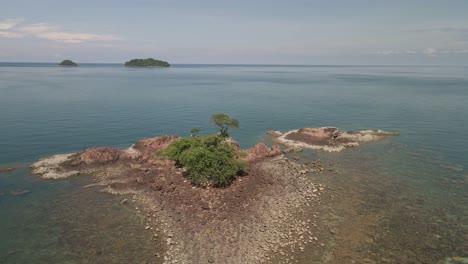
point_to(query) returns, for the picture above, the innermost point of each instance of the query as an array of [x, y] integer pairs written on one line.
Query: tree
[[224, 122], [194, 131]]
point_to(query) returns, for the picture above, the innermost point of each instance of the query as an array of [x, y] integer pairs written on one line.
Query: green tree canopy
[[68, 63], [209, 160], [224, 122], [194, 131], [150, 62]]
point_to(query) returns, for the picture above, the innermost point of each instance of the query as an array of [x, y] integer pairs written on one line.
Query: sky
[[349, 32]]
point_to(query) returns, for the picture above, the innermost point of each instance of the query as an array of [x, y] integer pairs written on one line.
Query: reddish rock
[[162, 162], [329, 138], [315, 136], [145, 148], [260, 151], [101, 155]]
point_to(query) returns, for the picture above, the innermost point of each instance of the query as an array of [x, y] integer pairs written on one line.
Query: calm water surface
[[47, 110]]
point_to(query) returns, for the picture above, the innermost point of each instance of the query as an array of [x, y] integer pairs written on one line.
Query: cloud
[[429, 51], [442, 29], [5, 34], [49, 32], [386, 52], [426, 52], [9, 23], [75, 37], [37, 28]]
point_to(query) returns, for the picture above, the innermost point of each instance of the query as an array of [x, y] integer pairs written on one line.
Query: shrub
[[208, 160]]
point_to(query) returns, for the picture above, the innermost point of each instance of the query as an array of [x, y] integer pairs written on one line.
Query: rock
[[161, 161], [368, 261], [274, 133], [233, 143], [124, 201], [135, 166], [19, 192], [101, 155], [329, 138], [261, 151], [52, 167], [293, 149], [146, 148], [6, 169]]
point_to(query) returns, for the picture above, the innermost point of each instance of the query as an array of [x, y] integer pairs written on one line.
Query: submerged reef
[[6, 169]]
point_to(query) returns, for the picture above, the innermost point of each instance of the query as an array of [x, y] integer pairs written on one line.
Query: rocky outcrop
[[67, 165], [257, 214], [327, 138], [146, 148], [261, 151], [100, 155], [53, 167]]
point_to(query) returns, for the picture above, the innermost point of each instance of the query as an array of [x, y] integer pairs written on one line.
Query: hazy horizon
[[241, 64], [301, 32]]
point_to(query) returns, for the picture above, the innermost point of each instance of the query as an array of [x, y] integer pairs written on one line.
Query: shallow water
[[46, 110]]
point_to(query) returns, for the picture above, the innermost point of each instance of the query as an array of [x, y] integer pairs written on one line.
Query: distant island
[[150, 62], [68, 63]]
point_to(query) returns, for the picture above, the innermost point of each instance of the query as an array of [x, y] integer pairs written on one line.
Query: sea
[[417, 183]]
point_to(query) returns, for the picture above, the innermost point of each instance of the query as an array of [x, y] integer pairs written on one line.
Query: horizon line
[[253, 64]]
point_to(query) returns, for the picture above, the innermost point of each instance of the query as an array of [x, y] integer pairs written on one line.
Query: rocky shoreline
[[327, 138], [258, 216], [239, 224]]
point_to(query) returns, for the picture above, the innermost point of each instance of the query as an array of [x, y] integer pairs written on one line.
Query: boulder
[[261, 151], [146, 148]]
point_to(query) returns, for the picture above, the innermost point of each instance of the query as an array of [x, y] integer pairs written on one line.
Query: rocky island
[[68, 63], [239, 221], [327, 138], [150, 62]]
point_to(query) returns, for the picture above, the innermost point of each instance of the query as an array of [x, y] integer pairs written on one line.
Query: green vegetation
[[150, 62], [68, 63], [224, 122], [209, 160], [194, 131]]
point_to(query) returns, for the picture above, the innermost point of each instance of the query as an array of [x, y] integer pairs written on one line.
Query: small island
[[206, 190], [68, 63], [150, 62]]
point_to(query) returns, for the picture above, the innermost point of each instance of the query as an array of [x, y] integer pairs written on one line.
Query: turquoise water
[[46, 110]]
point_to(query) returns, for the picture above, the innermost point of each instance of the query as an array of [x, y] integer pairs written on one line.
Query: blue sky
[[255, 32]]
